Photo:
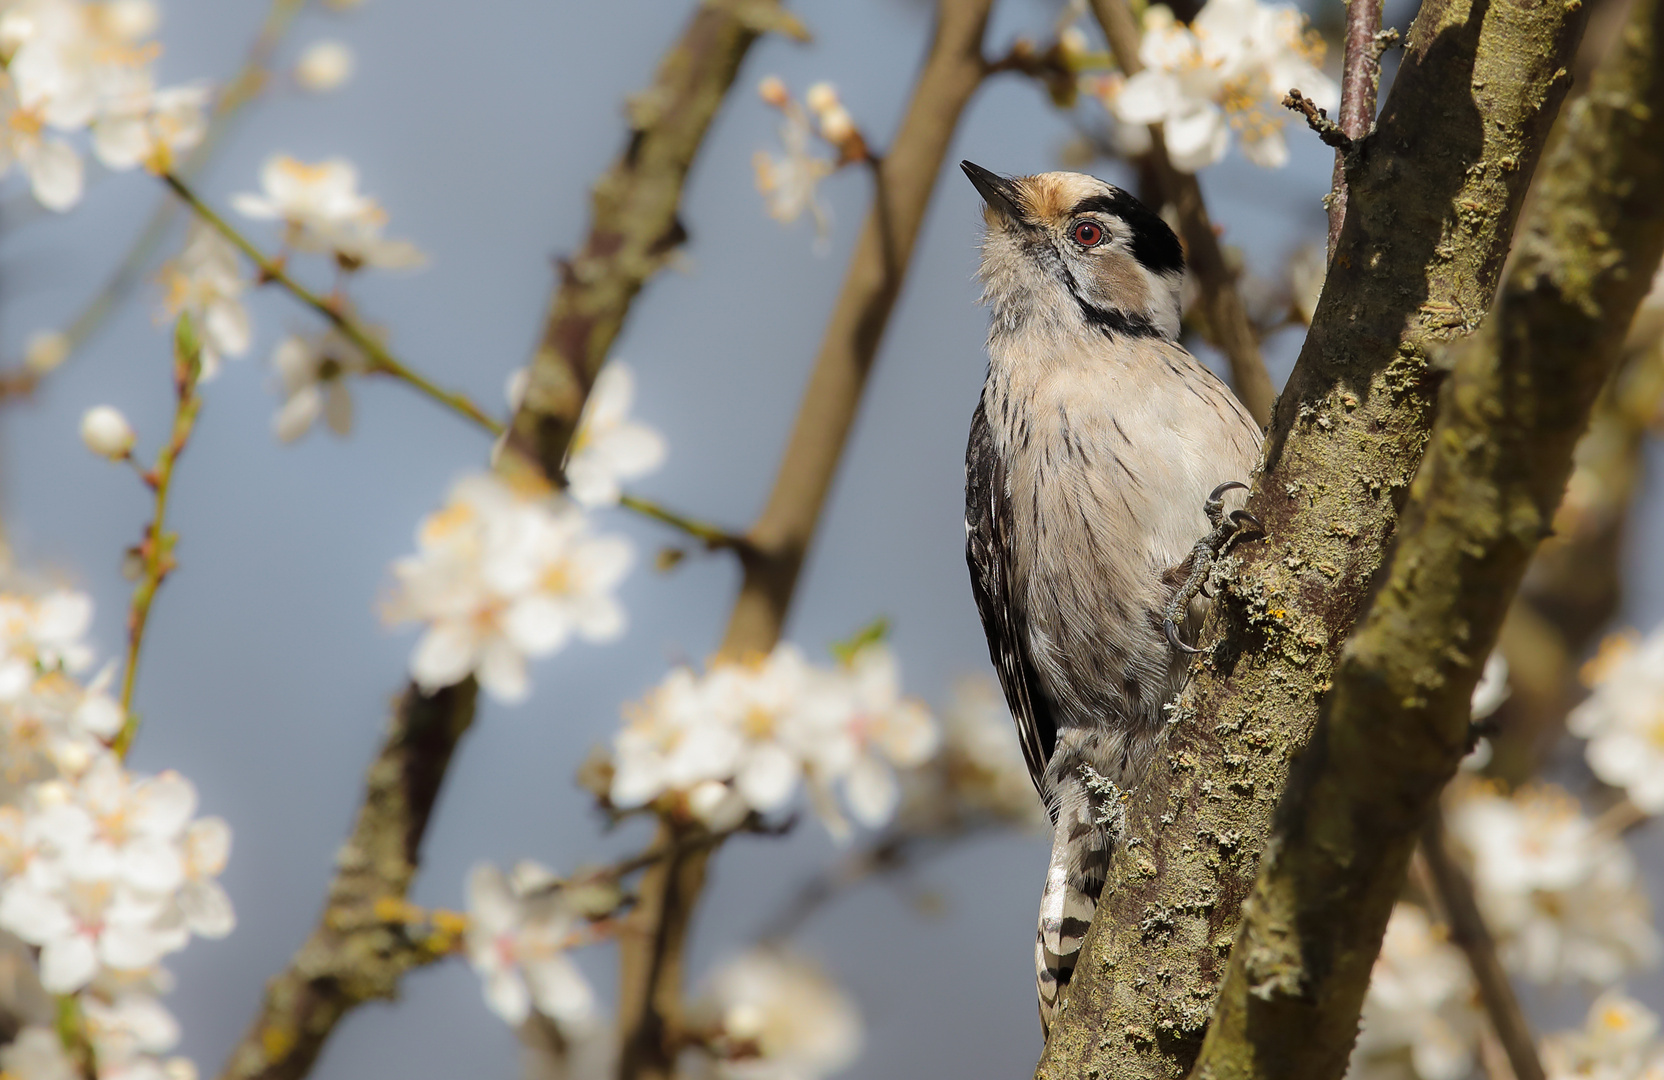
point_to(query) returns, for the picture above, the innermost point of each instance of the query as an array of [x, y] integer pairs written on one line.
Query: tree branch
[[651, 961], [1436, 192], [355, 954], [1396, 723], [1573, 588], [1360, 81], [1228, 327], [635, 224], [351, 958], [1454, 892]]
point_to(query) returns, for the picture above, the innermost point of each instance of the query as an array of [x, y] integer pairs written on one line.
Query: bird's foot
[[1202, 556]]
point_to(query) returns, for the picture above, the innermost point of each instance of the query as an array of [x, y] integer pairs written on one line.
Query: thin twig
[[243, 88], [714, 537], [1318, 120], [1228, 327], [1468, 930], [1360, 83], [156, 549], [380, 360]]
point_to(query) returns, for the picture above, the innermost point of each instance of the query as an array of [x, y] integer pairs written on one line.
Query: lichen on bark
[[1435, 192]]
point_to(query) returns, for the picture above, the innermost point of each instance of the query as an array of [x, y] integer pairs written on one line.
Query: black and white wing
[[987, 552]]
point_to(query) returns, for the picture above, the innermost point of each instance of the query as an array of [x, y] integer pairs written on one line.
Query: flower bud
[[324, 66], [773, 91], [1072, 43], [821, 98], [106, 432], [45, 351], [836, 125]]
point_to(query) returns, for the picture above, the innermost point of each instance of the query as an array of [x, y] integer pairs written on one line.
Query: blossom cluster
[[68, 66], [1623, 720], [102, 871], [768, 1014], [1618, 1041], [1228, 70], [790, 182], [741, 737], [506, 571], [1561, 896], [1421, 1018]]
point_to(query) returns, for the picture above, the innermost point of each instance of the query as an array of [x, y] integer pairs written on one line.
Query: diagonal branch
[[651, 961], [1436, 192], [351, 958], [1450, 886], [635, 223], [1396, 722], [1228, 327]]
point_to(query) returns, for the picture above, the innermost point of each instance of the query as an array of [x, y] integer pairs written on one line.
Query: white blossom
[[769, 1015], [1618, 1041], [37, 1053], [1229, 69], [743, 736], [609, 447], [41, 633], [324, 66], [206, 282], [45, 350], [1561, 897], [106, 432], [325, 212], [129, 1033], [501, 574], [314, 373], [51, 164], [103, 864], [790, 183], [519, 931], [1421, 1019], [888, 731], [1624, 721], [979, 770], [71, 66]]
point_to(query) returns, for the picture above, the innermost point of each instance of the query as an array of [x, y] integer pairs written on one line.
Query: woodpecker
[[1099, 452]]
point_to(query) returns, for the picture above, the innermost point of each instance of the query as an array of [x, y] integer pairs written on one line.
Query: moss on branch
[[1396, 723], [1434, 194]]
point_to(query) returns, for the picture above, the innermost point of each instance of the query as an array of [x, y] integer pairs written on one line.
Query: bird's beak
[[998, 192]]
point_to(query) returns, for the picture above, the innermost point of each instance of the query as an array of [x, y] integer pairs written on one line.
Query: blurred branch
[[1573, 588], [635, 225], [1449, 885], [156, 549], [350, 957], [380, 360], [1360, 81], [1228, 327], [1396, 722], [651, 961], [355, 954], [1428, 227]]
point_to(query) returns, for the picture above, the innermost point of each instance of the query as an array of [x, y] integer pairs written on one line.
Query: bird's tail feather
[[1074, 881]]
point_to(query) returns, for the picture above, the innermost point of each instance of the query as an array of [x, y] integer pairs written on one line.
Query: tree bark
[[1396, 723], [1434, 195]]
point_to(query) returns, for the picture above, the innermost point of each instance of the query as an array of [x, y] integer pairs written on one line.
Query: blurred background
[[268, 674]]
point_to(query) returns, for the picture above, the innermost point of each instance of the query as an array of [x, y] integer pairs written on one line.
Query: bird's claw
[[1174, 640], [1202, 558], [1214, 506]]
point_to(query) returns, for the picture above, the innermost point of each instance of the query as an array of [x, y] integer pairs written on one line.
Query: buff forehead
[[1051, 196]]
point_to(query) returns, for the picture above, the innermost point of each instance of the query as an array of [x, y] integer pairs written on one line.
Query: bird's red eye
[[1087, 233]]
